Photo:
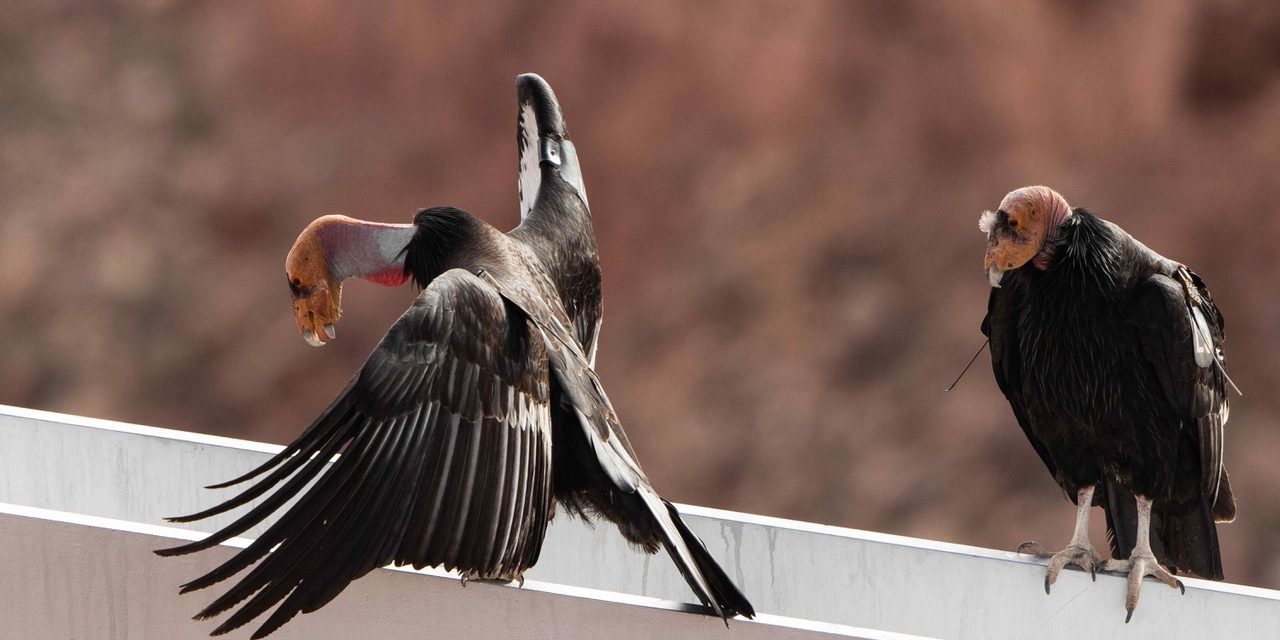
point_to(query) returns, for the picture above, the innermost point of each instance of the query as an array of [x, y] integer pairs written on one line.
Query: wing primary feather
[[468, 478], [521, 514], [472, 549], [417, 521], [264, 509], [542, 504], [371, 524], [489, 497], [321, 453], [510, 500], [443, 489], [528, 518], [297, 518], [300, 517], [406, 487], [347, 523], [319, 430], [518, 474], [278, 565], [499, 496]]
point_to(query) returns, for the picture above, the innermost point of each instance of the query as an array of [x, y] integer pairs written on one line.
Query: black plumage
[[476, 413], [1111, 358]]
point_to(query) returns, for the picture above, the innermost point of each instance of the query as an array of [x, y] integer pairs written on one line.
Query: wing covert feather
[[1172, 318]]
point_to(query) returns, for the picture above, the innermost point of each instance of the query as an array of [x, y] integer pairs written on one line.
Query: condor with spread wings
[[474, 416]]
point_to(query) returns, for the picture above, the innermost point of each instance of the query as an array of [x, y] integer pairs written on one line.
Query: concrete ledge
[[71, 576], [826, 575]]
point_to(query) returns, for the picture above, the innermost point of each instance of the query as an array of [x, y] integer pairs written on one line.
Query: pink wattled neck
[[1058, 215], [373, 251]]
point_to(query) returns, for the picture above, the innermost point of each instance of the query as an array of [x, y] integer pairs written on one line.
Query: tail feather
[[1121, 510], [704, 575], [1224, 506], [1190, 540], [1182, 539], [723, 589]]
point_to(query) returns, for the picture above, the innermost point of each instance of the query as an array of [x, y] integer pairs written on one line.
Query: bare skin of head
[[332, 249], [1018, 230], [317, 295]]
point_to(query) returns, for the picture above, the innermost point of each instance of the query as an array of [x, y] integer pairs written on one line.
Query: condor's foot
[[1079, 554], [1139, 566]]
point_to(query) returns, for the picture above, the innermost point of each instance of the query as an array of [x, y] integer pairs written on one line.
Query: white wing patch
[[987, 221], [595, 337], [530, 171], [571, 171]]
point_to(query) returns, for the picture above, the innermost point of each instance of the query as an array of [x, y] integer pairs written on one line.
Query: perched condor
[[1111, 358], [473, 417]]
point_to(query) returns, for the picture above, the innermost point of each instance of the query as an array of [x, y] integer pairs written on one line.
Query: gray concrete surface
[[68, 576], [797, 570]]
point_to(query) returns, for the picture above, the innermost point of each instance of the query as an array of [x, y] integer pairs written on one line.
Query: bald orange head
[[316, 293], [1018, 230], [331, 249]]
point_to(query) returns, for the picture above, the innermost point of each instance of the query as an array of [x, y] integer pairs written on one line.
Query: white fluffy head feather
[[987, 221]]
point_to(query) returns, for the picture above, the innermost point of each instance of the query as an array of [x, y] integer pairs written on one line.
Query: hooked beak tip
[[312, 339]]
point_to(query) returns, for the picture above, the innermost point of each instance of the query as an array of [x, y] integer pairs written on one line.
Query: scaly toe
[[1138, 568], [1079, 555]]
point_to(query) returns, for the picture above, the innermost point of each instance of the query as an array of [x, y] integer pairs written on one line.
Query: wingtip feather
[[169, 552]]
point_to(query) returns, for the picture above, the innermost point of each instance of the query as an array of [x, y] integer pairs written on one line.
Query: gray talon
[[1078, 554], [1141, 565]]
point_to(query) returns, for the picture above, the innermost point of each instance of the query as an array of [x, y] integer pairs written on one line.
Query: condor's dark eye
[[295, 287]]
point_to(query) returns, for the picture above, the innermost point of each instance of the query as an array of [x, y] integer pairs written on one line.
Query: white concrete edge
[[706, 512], [944, 547], [161, 531], [137, 429]]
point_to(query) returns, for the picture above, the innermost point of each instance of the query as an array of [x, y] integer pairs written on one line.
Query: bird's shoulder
[[458, 327]]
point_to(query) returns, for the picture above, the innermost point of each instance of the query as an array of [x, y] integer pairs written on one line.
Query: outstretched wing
[[551, 191], [446, 460], [617, 460], [1001, 327], [1181, 332], [542, 142]]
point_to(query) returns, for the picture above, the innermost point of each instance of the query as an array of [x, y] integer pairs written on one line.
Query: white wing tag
[[1200, 334]]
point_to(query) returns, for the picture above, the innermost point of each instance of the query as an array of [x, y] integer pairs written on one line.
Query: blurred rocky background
[[786, 197]]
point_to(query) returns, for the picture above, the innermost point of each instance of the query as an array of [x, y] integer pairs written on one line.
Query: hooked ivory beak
[[994, 276], [314, 340]]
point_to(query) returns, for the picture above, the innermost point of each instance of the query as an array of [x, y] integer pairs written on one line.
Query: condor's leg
[[1079, 552], [1142, 562]]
